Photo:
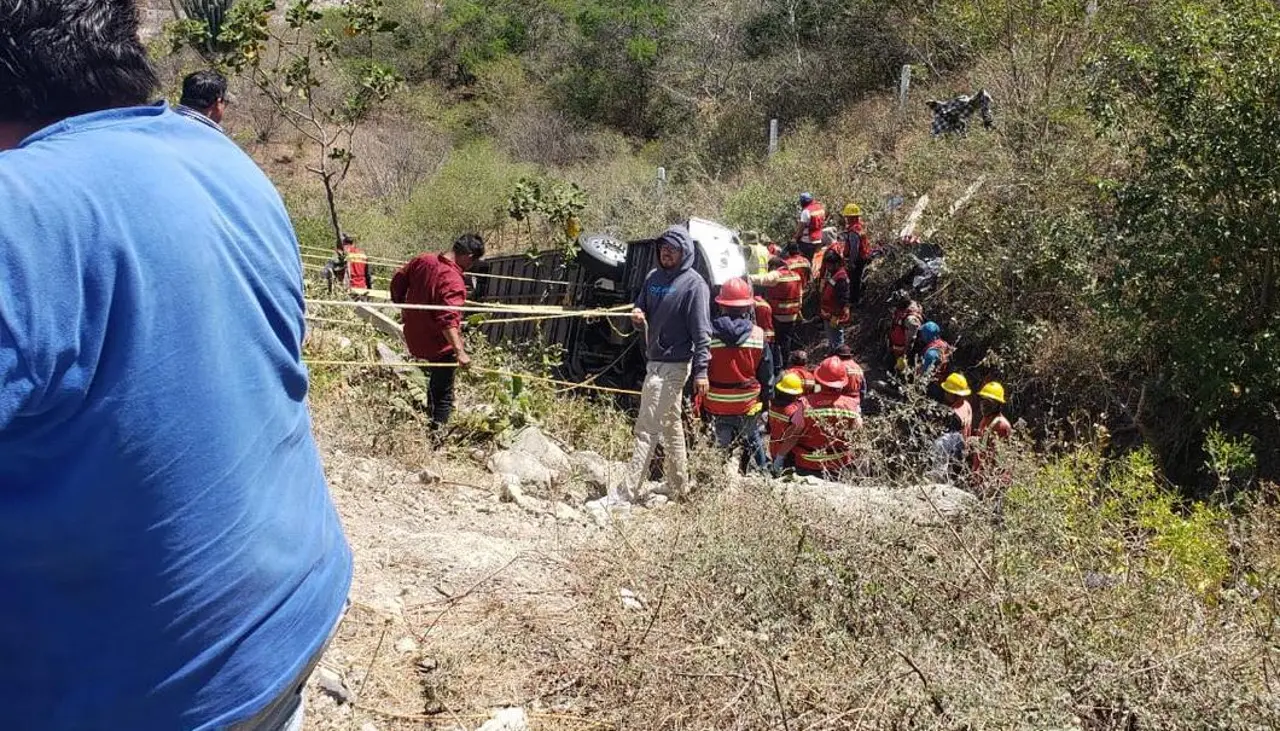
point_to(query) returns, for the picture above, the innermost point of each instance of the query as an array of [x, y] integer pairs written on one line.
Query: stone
[[406, 645], [331, 682], [630, 600], [430, 477], [566, 514], [507, 719], [368, 726], [658, 501], [922, 505], [525, 468], [594, 474], [344, 343], [546, 451], [513, 493]]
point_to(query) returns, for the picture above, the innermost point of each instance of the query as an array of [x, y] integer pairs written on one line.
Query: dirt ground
[[436, 565]]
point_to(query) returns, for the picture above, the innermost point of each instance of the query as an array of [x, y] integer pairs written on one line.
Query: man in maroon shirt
[[435, 336]]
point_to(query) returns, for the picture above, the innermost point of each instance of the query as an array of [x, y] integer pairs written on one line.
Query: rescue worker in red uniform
[[809, 224], [833, 298], [993, 429], [935, 364], [800, 264], [740, 372], [857, 246], [798, 363], [784, 291], [904, 324], [825, 448], [351, 266], [786, 420], [857, 386]]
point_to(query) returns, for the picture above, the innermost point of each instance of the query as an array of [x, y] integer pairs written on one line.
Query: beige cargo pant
[[659, 421]]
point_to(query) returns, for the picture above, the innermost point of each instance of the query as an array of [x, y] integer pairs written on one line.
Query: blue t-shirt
[[169, 554]]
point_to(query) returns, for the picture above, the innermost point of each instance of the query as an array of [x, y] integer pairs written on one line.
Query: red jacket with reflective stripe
[[943, 368], [856, 380], [786, 296], [898, 326], [801, 266], [357, 267], [835, 288], [429, 279], [781, 421], [734, 389], [764, 318], [829, 422], [817, 219]]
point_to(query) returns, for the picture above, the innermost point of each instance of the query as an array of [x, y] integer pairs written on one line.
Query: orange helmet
[[832, 373], [736, 293]]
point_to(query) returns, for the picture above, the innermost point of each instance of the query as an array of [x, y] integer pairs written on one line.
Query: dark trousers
[[856, 271], [784, 340], [440, 390]]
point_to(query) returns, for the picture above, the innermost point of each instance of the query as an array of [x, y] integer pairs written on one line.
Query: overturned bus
[[603, 273]]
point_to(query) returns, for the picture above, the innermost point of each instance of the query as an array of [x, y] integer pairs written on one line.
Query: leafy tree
[[1192, 103], [283, 60]]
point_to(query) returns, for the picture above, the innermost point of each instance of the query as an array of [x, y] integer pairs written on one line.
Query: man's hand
[[637, 317], [701, 386], [464, 360]]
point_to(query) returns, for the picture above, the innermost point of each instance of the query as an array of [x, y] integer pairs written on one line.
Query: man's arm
[[699, 324], [453, 294], [400, 283], [768, 279]]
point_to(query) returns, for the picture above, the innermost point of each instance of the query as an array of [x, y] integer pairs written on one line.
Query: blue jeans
[[835, 336], [731, 430]]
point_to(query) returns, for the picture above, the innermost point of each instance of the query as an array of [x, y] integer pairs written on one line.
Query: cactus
[[210, 14]]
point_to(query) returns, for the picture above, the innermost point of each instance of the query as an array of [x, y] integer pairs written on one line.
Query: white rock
[[523, 467], [507, 719], [534, 443], [368, 726], [406, 645], [567, 514], [595, 473], [330, 681], [630, 600]]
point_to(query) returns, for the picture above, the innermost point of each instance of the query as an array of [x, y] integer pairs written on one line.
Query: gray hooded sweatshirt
[[677, 305]]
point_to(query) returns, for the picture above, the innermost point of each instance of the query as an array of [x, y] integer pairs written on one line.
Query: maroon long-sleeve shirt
[[429, 279]]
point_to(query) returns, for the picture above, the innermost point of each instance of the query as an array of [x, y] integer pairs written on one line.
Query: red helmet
[[832, 373], [736, 293]]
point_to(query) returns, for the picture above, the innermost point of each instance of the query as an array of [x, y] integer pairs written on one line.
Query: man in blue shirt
[[169, 554]]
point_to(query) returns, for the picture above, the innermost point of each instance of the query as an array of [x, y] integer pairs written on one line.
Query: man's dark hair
[[203, 89], [798, 358], [61, 58], [776, 263], [469, 245]]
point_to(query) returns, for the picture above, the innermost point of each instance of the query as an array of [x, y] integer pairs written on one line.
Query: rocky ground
[[451, 558]]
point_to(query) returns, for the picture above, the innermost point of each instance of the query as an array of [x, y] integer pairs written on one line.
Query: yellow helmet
[[992, 390], [851, 209], [956, 385], [791, 384]]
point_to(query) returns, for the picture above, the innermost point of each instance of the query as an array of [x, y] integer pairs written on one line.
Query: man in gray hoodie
[[673, 311]]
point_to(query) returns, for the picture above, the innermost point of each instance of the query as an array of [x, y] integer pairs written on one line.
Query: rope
[[519, 309], [570, 386], [314, 318]]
